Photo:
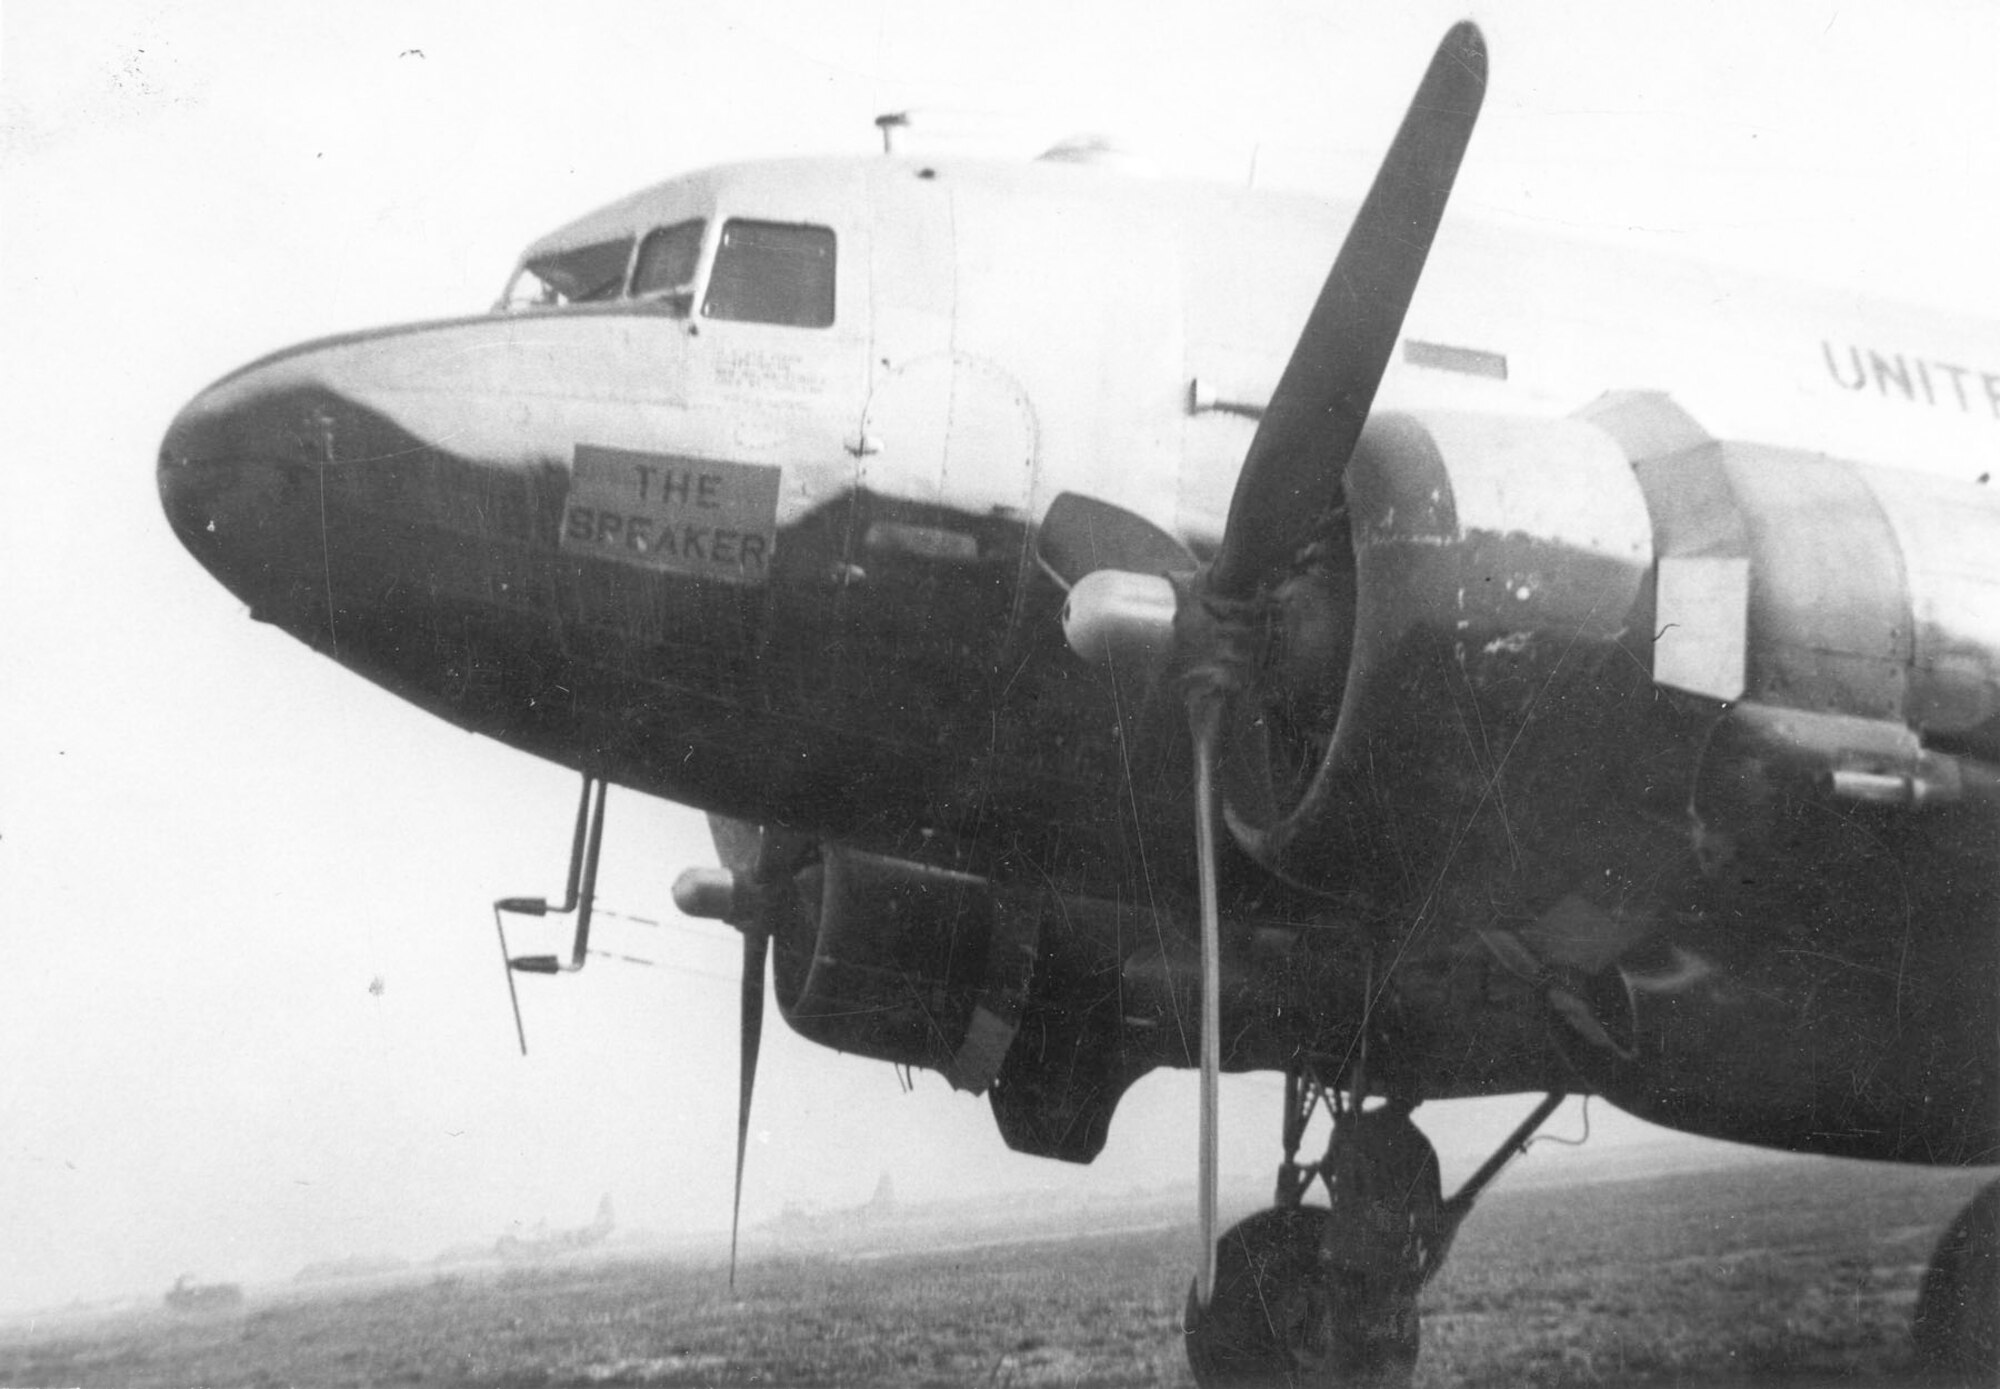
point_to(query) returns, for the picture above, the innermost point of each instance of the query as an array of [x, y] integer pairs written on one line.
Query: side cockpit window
[[581, 275], [666, 265], [772, 272]]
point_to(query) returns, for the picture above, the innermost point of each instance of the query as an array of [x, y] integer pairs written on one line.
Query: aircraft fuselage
[[754, 530]]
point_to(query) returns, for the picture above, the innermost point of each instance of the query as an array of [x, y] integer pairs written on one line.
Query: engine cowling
[[907, 963], [1476, 553], [1805, 582], [1507, 557]]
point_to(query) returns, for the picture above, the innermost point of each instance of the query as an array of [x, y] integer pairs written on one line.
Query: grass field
[[1794, 1273]]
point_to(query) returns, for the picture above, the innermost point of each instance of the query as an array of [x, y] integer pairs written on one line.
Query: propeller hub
[[1116, 618], [711, 894]]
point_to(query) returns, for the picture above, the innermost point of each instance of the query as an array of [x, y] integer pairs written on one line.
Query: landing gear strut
[[1309, 1296]]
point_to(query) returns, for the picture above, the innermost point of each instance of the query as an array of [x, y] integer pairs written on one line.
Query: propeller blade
[[738, 844], [1206, 722], [756, 946], [1292, 472], [1080, 535]]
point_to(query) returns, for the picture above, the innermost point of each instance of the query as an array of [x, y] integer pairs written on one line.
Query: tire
[[1280, 1319], [1956, 1330]]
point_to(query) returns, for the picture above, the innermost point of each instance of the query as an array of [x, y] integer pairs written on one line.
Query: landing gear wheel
[[1956, 1329], [1270, 1320], [1387, 1239], [1281, 1318], [1388, 1201]]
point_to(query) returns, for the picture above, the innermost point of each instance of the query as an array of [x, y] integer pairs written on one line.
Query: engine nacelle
[[1503, 533], [1535, 565], [906, 963], [1811, 583], [1485, 555]]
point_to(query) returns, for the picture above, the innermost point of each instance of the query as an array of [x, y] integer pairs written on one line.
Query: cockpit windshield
[[664, 271], [581, 275], [764, 272], [772, 272]]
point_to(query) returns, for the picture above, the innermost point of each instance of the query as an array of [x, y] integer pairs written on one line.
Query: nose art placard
[[695, 516]]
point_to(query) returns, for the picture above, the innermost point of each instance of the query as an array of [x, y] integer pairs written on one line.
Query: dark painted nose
[[194, 476], [239, 482], [319, 485], [200, 476]]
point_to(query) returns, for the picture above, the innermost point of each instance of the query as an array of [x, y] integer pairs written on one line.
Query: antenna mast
[[889, 122]]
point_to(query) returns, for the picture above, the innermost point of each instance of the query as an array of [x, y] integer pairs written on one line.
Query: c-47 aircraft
[[1104, 638]]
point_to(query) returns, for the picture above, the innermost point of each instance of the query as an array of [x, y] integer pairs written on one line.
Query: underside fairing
[[1719, 950], [1824, 984]]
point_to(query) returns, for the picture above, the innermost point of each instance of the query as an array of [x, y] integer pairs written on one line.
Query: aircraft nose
[[326, 483], [208, 480], [237, 474], [193, 474]]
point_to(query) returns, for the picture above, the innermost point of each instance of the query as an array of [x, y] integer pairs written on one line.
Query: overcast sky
[[253, 1012]]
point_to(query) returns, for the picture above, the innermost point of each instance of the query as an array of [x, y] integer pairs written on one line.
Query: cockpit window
[[666, 265], [581, 275], [771, 272]]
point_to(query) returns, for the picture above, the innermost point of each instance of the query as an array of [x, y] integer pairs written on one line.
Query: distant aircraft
[[549, 1244], [1586, 709], [186, 1295], [351, 1266]]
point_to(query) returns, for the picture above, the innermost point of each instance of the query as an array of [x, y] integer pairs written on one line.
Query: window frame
[[680, 296], [826, 306], [526, 270]]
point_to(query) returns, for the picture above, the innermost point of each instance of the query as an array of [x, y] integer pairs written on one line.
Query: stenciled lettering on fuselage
[[1918, 380], [695, 516], [764, 372]]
